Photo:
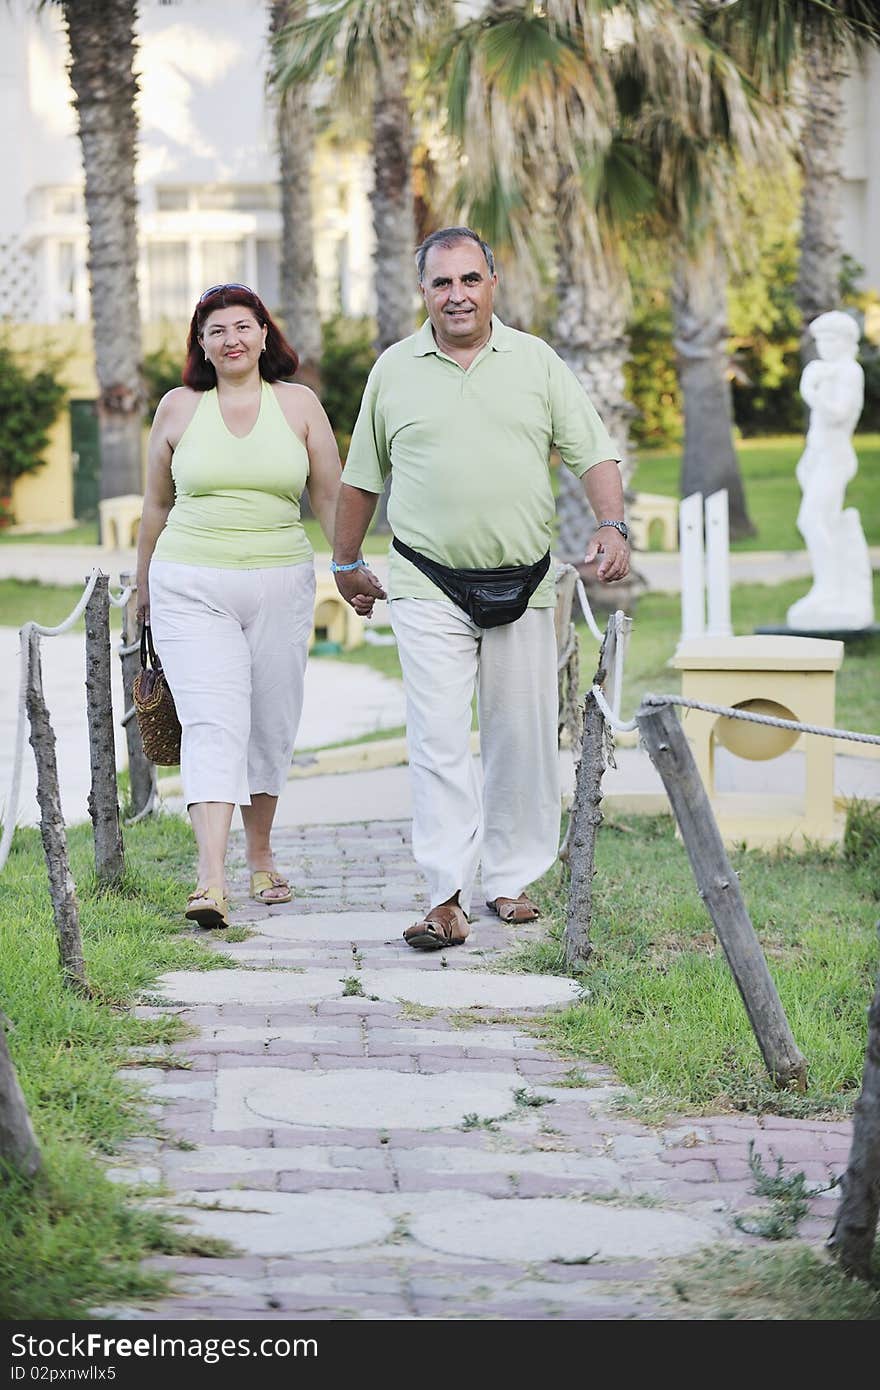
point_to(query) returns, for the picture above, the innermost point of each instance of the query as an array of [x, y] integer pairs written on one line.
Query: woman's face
[[232, 340]]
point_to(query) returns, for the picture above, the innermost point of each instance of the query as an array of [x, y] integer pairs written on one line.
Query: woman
[[226, 578]]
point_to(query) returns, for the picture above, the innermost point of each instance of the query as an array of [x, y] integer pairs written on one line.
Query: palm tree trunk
[[295, 131], [818, 285], [392, 200], [592, 294], [393, 215], [699, 305], [101, 35]]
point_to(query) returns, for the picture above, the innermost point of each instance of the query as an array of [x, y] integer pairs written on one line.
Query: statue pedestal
[[831, 634], [788, 678]]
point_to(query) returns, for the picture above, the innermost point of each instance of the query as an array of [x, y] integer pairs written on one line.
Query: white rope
[[608, 714], [627, 726], [751, 718], [11, 811], [120, 600], [153, 801], [587, 610]]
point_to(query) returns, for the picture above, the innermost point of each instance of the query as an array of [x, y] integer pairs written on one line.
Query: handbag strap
[[147, 649]]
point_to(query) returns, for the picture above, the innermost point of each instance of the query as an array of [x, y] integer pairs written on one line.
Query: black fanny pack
[[489, 597]]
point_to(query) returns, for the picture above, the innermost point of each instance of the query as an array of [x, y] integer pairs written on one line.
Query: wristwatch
[[620, 526], [341, 569]]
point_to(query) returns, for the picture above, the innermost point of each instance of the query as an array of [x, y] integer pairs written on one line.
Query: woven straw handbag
[[154, 707]]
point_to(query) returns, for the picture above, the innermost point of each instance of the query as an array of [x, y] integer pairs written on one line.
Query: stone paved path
[[365, 1124]]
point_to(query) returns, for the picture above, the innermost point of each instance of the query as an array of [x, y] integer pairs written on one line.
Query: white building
[[860, 222], [207, 169]]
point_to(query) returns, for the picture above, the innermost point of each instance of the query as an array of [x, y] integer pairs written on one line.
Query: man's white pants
[[233, 645], [514, 826]]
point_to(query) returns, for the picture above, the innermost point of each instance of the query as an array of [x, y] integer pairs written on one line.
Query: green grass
[[23, 601], [72, 1239], [791, 1284], [772, 492], [84, 533], [374, 544], [660, 1005], [657, 626]]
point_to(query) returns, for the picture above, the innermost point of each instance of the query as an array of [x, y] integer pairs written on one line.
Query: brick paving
[[574, 1154]]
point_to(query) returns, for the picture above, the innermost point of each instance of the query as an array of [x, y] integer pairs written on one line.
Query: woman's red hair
[[278, 361]]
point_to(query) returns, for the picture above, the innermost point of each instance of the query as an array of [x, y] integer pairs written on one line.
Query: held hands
[[360, 588], [613, 551]]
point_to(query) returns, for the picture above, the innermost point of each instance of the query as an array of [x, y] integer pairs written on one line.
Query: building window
[[222, 262], [242, 197], [66, 202], [269, 273], [172, 199], [167, 262], [66, 280]]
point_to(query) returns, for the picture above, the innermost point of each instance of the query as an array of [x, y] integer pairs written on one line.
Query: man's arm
[[583, 442], [604, 490], [354, 511]]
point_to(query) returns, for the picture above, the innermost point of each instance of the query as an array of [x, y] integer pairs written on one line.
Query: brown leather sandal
[[442, 926], [514, 910], [208, 906]]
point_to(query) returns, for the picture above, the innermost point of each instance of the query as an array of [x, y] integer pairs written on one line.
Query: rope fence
[[29, 629], [728, 712]]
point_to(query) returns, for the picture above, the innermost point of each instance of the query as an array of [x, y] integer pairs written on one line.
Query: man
[[463, 414]]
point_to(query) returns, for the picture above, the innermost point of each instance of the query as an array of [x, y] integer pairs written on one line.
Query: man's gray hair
[[446, 237]]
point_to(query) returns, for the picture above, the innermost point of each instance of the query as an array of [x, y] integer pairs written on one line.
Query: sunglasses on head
[[215, 289]]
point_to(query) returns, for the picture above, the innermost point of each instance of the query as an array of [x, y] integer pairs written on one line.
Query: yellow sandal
[[263, 882], [207, 906]]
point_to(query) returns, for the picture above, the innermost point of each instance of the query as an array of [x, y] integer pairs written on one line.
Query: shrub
[[163, 370], [30, 403], [652, 384], [346, 358]]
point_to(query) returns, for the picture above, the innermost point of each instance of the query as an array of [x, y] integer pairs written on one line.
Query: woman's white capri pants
[[233, 647]]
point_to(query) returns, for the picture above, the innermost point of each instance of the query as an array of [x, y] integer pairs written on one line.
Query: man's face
[[459, 293]]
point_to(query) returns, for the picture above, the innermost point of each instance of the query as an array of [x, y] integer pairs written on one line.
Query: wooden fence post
[[140, 770], [18, 1143], [855, 1229], [586, 817], [567, 656], [61, 884], [104, 793], [719, 888], [584, 822]]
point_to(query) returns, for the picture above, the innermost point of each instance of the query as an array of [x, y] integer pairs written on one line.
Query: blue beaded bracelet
[[341, 569]]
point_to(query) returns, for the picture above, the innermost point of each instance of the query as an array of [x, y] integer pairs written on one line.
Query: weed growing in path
[[790, 1199]]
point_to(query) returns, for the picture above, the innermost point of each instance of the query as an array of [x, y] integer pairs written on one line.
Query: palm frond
[[350, 40]]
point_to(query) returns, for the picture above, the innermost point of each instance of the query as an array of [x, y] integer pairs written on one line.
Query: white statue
[[833, 386]]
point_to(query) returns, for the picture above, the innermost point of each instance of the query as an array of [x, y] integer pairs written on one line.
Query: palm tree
[[647, 113], [367, 48], [813, 41], [695, 123], [532, 117], [101, 37], [295, 132]]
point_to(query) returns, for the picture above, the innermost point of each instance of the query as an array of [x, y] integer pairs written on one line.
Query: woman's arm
[[158, 500], [325, 469]]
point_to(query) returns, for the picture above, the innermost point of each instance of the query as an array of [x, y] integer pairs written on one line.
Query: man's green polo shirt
[[469, 452]]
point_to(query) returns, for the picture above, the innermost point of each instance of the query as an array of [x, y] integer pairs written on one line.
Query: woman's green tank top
[[237, 500]]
